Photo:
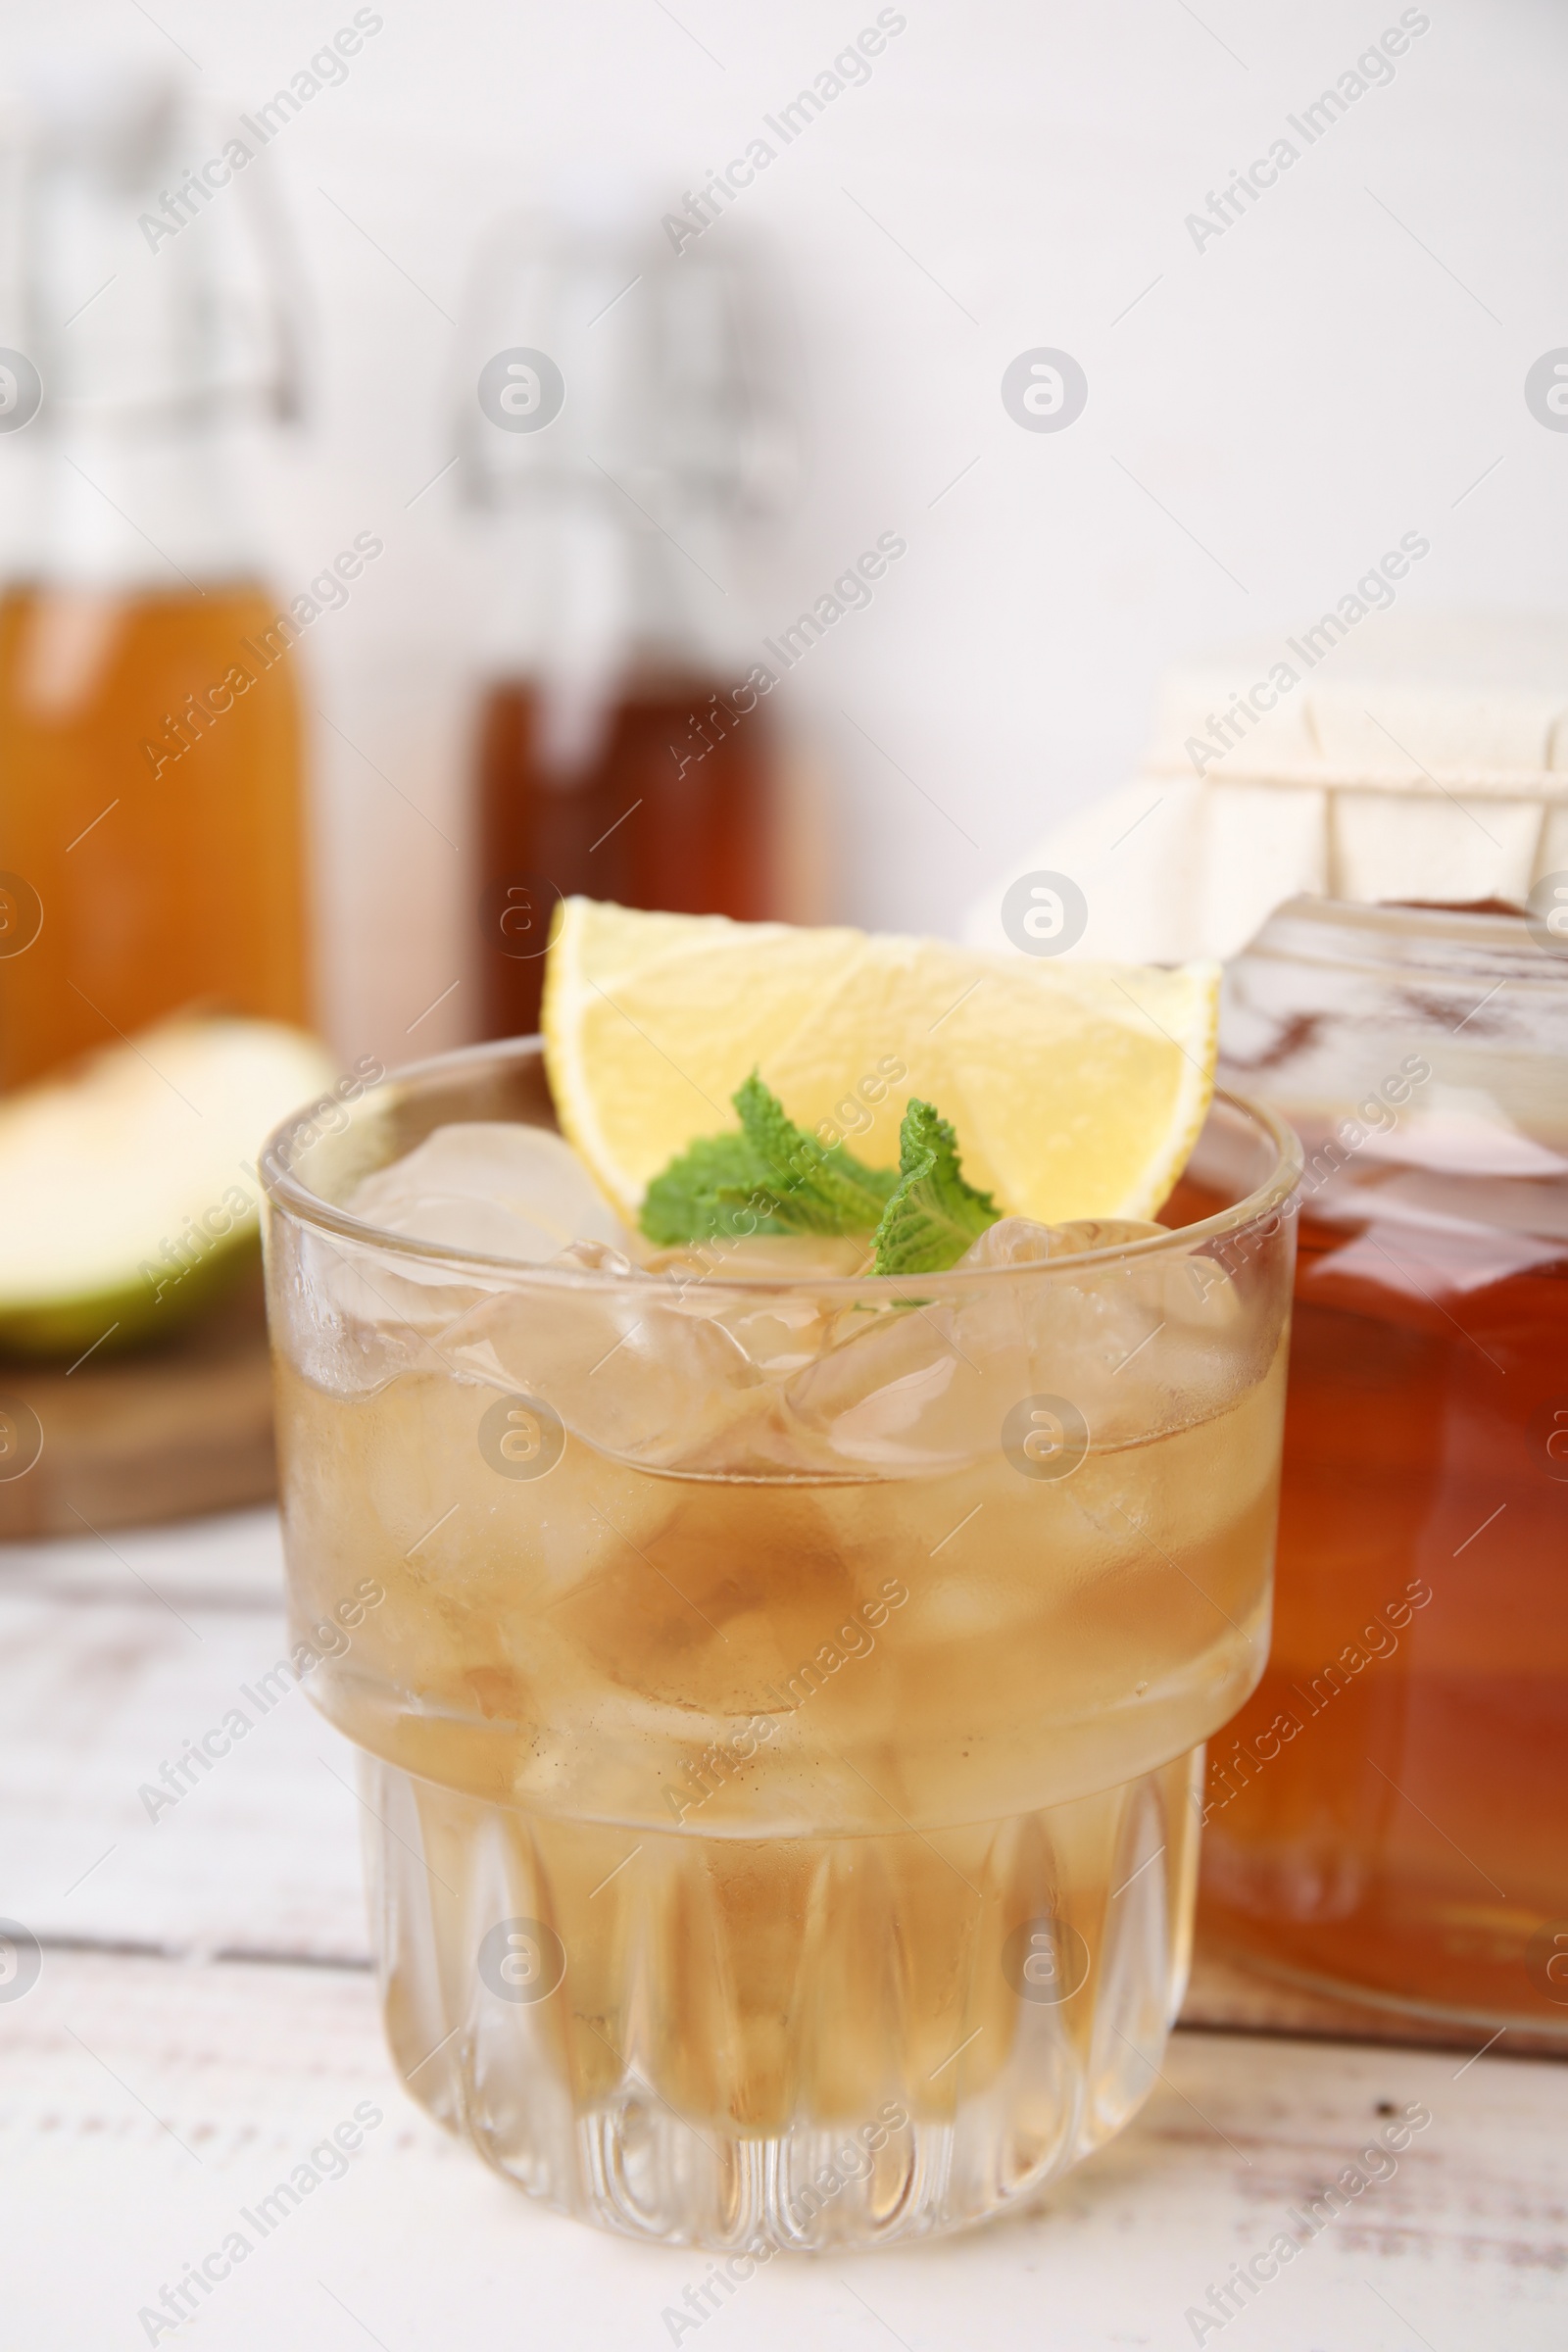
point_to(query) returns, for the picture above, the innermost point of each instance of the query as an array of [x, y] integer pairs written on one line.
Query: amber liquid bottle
[[150, 796], [152, 848]]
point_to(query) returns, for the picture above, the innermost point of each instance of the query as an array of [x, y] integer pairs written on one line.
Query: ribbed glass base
[[790, 2042]]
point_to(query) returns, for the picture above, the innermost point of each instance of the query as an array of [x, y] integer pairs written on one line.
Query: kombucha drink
[[768, 1748], [623, 749], [665, 814], [1388, 1817], [151, 850], [150, 795], [768, 1752], [1389, 1813]]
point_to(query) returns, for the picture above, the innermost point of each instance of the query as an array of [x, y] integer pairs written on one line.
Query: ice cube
[[928, 1382], [646, 1372], [598, 1257], [671, 1363], [898, 1394], [1011, 1242], [767, 1258], [495, 1186], [1139, 1345], [1082, 1233], [362, 1314], [1020, 1241], [778, 1330]]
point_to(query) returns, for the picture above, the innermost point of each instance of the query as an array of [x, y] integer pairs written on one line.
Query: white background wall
[[1338, 368]]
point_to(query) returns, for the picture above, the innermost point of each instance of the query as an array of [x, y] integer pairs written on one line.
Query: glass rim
[[1442, 945], [286, 1191]]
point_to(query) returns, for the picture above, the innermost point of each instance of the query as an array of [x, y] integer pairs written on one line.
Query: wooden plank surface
[[147, 2105], [114, 1656]]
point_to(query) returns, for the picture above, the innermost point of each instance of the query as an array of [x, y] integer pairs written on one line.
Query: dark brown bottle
[[619, 436], [675, 810]]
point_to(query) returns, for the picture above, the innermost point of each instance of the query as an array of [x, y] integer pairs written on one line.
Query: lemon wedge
[[1076, 1090]]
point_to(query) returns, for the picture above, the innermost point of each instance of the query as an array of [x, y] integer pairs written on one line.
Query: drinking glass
[[782, 1694]]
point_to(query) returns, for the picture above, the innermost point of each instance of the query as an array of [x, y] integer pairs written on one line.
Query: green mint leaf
[[934, 1214], [813, 1189], [687, 1201], [772, 1178]]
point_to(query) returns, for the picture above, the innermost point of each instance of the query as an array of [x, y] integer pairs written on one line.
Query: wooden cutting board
[[162, 1434]]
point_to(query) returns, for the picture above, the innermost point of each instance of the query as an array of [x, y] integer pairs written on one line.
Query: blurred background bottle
[[626, 429], [150, 736]]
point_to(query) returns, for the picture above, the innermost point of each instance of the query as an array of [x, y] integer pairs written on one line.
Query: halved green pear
[[129, 1192]]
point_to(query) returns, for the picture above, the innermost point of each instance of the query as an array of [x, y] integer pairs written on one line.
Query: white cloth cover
[[1415, 758]]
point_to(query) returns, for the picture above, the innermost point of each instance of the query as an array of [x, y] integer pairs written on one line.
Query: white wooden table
[[203, 2015]]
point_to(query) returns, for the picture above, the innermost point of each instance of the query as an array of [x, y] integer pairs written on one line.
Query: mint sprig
[[774, 1178], [773, 1172], [934, 1216], [814, 1189], [689, 1202]]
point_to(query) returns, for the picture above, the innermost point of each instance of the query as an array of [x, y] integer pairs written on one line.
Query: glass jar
[[1388, 1817], [782, 1698]]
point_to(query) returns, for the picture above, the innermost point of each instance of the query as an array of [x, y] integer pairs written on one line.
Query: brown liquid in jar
[[1389, 1813]]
